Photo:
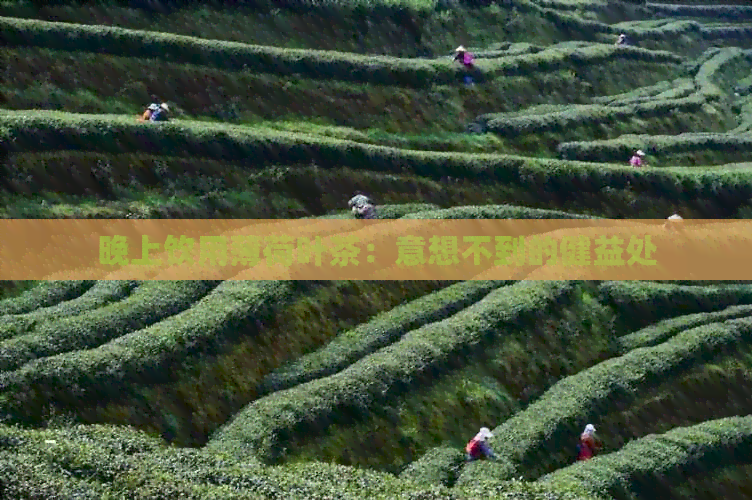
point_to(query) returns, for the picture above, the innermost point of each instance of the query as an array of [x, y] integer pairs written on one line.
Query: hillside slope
[[371, 389]]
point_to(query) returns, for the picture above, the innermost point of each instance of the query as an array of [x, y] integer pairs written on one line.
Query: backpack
[[158, 116], [473, 447]]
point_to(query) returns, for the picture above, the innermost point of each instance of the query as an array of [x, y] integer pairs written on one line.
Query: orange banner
[[375, 249]]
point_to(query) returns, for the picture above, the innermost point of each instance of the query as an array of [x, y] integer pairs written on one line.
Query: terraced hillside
[[352, 389]]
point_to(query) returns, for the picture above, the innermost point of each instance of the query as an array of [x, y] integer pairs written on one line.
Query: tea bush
[[267, 426], [100, 295], [719, 12], [45, 294], [439, 466], [312, 64], [103, 462], [494, 212], [664, 330], [37, 130], [145, 356], [654, 459], [152, 302], [588, 114], [381, 331], [527, 442], [643, 303]]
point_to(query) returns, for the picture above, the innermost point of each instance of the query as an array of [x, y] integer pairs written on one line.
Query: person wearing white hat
[[160, 115], [467, 60], [156, 113], [622, 40], [362, 207], [478, 447], [588, 446], [637, 158]]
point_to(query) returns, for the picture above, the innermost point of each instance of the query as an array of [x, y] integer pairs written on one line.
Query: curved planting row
[[641, 303], [387, 211], [438, 466], [494, 212], [641, 103], [644, 102], [100, 295], [229, 311], [269, 425], [676, 89], [667, 32], [45, 294], [663, 330], [713, 84], [728, 147], [99, 462], [588, 114], [383, 330], [313, 64], [529, 443], [641, 466], [152, 302], [711, 73], [674, 29], [53, 131], [728, 13]]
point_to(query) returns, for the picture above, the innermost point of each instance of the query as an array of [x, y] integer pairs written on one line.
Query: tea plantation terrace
[[371, 389]]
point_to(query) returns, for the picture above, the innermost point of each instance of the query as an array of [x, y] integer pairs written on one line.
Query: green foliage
[[709, 74], [65, 349], [334, 7], [47, 293], [663, 458], [386, 211], [144, 356], [494, 212], [42, 130], [677, 89], [440, 465], [642, 303], [499, 381], [152, 302], [269, 425], [400, 211], [532, 441], [101, 294], [717, 12], [108, 463], [664, 330], [709, 71], [725, 146], [381, 331], [225, 55], [588, 114], [313, 64]]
